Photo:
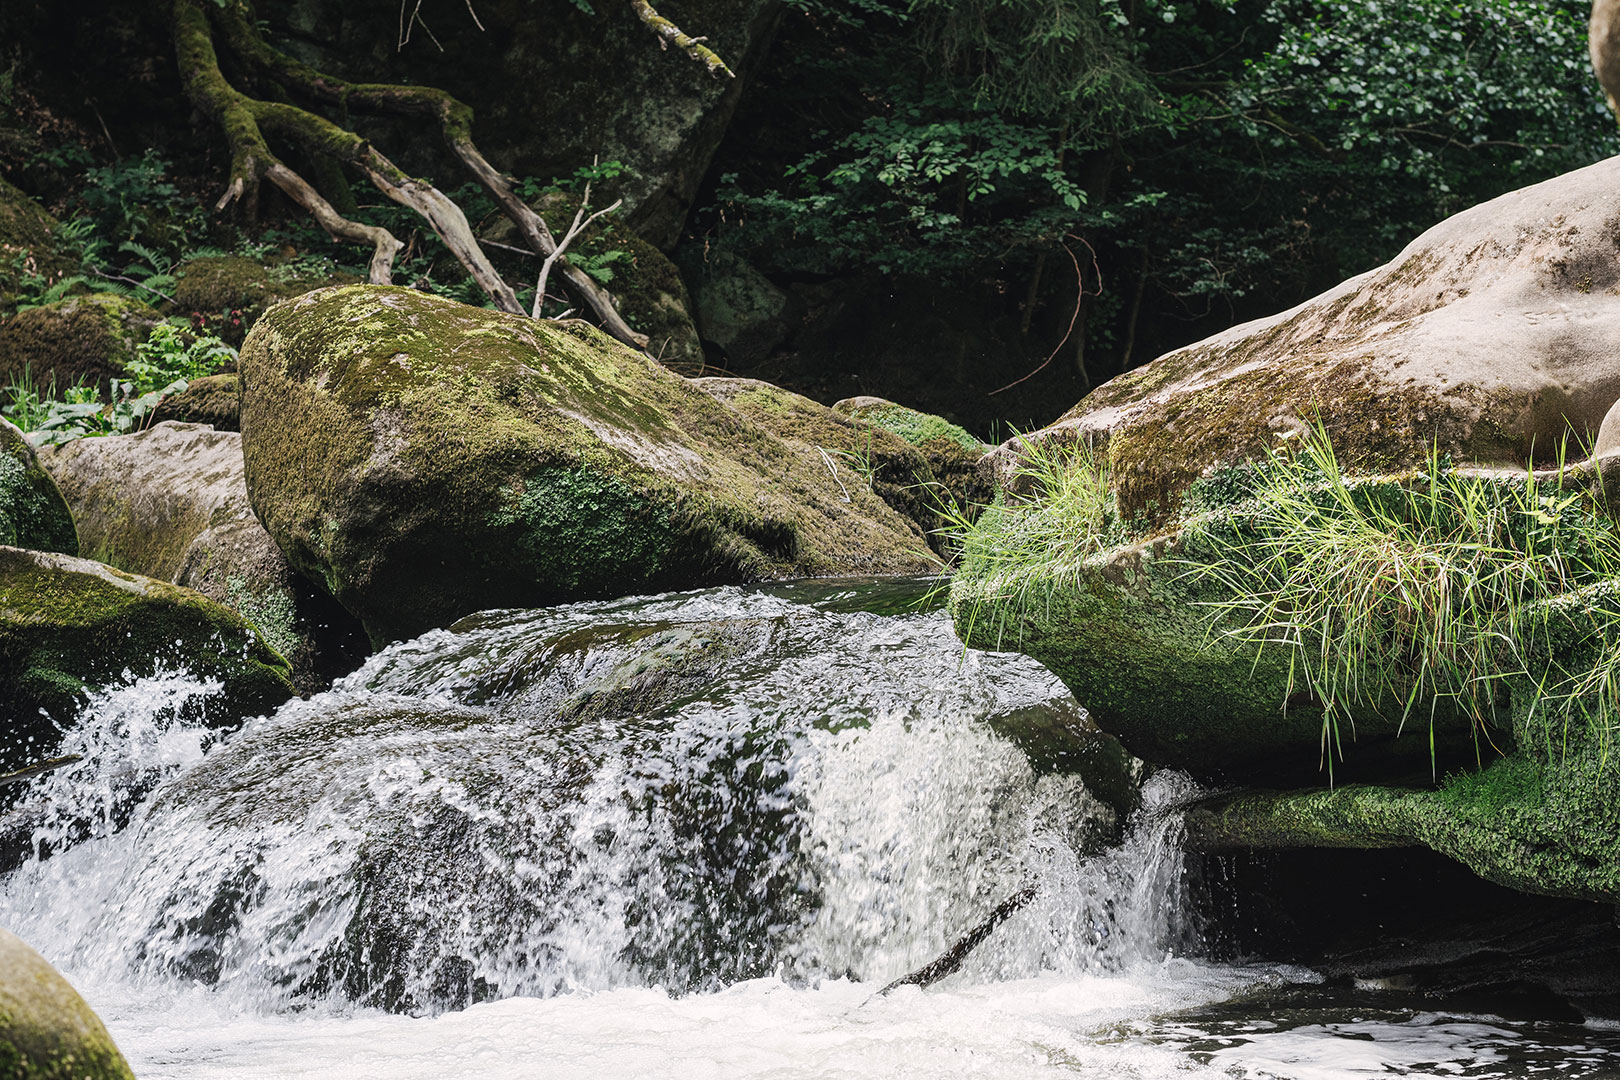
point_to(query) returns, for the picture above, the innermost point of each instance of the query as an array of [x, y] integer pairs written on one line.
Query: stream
[[688, 835]]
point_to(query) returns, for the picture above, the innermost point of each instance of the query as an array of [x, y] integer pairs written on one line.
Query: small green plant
[[170, 355]]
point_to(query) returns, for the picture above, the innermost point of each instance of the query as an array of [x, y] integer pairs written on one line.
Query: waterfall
[[680, 792]]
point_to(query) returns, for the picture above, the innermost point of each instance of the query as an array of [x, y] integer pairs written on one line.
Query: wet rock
[[68, 625], [32, 511], [87, 339], [215, 400], [47, 1032], [171, 503], [424, 459]]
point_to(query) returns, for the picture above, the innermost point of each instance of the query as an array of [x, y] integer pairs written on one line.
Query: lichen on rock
[[424, 459]]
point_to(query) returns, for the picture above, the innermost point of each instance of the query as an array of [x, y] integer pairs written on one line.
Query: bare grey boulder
[[171, 503], [1495, 335], [47, 1032]]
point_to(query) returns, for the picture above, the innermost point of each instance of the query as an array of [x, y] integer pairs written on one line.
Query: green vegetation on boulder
[[171, 503], [27, 247], [424, 459], [70, 625], [215, 400], [47, 1032], [952, 452], [88, 339], [32, 511]]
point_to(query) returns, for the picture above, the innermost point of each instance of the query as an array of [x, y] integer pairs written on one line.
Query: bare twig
[[384, 244], [581, 223], [951, 959], [1079, 299], [30, 771]]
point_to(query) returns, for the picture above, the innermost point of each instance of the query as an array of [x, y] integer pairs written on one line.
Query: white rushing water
[[684, 836]]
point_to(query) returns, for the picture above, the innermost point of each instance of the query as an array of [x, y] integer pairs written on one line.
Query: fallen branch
[[581, 223], [951, 959], [37, 768]]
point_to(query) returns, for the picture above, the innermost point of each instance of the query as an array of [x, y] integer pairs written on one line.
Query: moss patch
[[81, 339], [425, 459], [215, 400], [69, 625], [47, 1032], [33, 513], [232, 292]]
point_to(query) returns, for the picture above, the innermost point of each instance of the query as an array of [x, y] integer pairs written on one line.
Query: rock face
[[614, 96], [739, 310], [83, 338], [68, 625], [1490, 337], [32, 511], [952, 452], [1493, 334], [171, 503], [425, 459], [47, 1032]]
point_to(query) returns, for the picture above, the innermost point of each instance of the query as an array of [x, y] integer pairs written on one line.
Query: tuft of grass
[[1033, 537], [1434, 590]]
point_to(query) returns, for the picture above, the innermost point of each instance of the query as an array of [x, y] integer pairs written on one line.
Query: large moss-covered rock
[[855, 452], [1492, 335], [47, 1032], [88, 339], [32, 512], [952, 452], [69, 625], [425, 459], [27, 248], [171, 503]]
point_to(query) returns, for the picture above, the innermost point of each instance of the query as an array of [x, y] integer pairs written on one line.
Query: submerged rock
[[1491, 336], [425, 459], [68, 625], [32, 511], [83, 339], [47, 1032], [171, 503]]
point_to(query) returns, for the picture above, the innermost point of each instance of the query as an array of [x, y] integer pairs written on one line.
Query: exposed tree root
[[245, 120]]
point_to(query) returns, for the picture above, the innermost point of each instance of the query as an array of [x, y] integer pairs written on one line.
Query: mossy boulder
[[215, 400], [89, 338], [425, 459], [32, 511], [855, 452], [954, 454], [229, 292], [740, 310], [47, 1032], [1491, 336], [27, 245], [1132, 627], [171, 503], [70, 625]]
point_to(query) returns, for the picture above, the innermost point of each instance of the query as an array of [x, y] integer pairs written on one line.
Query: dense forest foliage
[[941, 196]]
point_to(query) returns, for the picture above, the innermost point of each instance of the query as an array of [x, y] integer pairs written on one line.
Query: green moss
[[80, 339], [70, 624], [47, 1032], [33, 513], [425, 459], [233, 292], [214, 399]]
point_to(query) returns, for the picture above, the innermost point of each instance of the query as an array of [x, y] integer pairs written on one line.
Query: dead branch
[[581, 223], [39, 767], [670, 34], [951, 959], [384, 244]]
